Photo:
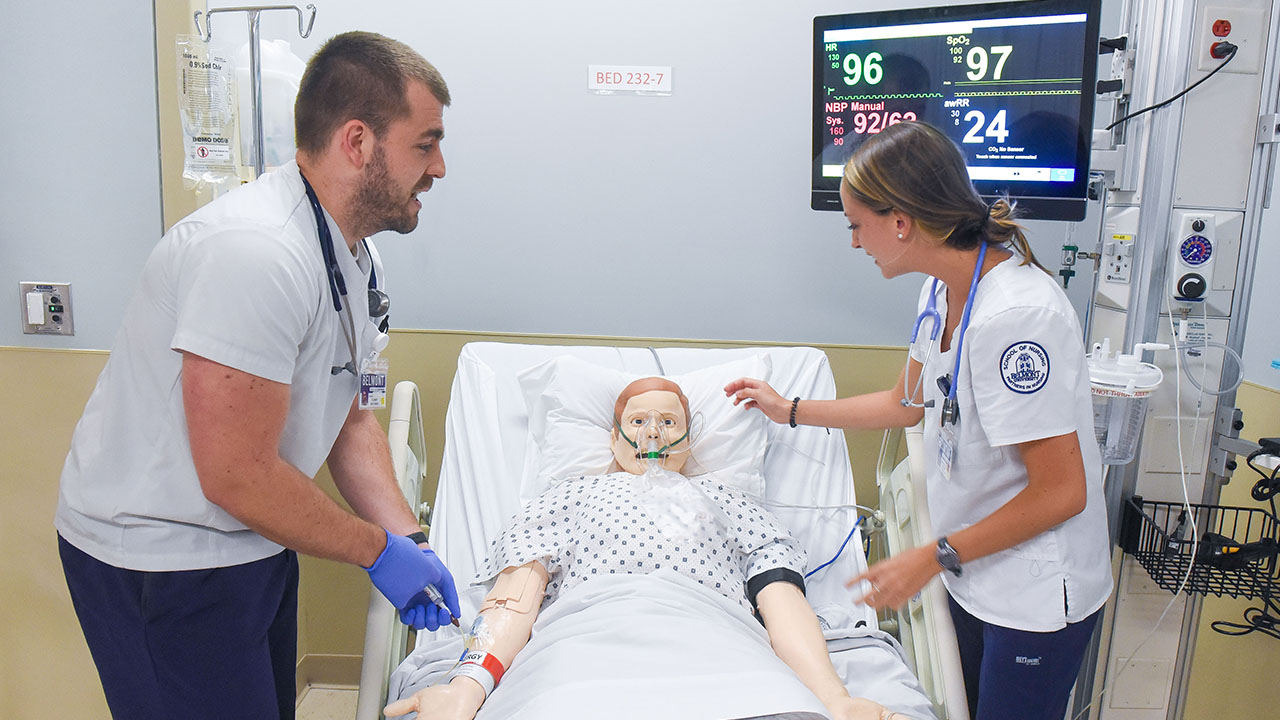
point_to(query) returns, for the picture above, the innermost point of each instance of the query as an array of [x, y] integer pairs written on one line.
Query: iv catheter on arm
[[500, 631], [505, 621]]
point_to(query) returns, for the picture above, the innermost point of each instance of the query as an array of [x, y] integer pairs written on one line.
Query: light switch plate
[[56, 298]]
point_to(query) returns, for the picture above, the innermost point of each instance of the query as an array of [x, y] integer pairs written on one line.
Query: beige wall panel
[[1235, 676], [45, 655], [43, 658]]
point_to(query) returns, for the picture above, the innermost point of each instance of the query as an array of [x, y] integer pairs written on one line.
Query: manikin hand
[[859, 709], [759, 394], [459, 700], [895, 580]]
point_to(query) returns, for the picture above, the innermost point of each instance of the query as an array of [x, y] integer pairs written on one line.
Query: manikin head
[[652, 413]]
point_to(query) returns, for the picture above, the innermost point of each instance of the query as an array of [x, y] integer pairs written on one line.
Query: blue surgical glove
[[400, 574]]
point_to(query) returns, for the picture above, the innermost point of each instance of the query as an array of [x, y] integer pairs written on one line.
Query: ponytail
[[914, 168], [1003, 228]]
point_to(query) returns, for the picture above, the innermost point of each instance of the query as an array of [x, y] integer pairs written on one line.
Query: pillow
[[570, 404]]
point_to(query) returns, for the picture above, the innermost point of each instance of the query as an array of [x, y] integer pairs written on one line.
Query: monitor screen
[[1011, 83]]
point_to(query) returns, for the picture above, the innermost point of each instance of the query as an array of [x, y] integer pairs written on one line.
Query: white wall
[[681, 216], [1262, 333], [81, 199], [562, 211]]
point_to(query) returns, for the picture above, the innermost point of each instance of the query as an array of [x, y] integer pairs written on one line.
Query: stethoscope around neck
[[379, 303], [946, 383]]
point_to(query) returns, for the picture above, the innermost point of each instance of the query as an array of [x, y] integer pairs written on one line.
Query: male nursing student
[[997, 371], [188, 489]]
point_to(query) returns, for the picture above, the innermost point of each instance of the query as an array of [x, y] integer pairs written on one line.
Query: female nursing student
[[997, 371]]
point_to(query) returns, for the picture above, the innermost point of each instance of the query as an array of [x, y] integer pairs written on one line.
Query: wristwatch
[[418, 537], [948, 558]]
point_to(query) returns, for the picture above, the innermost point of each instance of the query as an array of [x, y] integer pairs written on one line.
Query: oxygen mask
[[677, 505], [650, 440]]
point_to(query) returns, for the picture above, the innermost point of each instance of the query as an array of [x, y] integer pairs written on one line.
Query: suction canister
[[1121, 385]]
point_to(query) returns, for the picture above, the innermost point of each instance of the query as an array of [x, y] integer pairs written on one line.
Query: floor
[[327, 703]]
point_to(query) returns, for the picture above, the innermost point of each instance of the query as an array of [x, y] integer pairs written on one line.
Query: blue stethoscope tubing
[[338, 284], [931, 313]]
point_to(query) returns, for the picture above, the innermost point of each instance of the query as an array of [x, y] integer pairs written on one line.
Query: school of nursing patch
[[1024, 367]]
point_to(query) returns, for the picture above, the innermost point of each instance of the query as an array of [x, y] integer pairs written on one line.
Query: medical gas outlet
[[1194, 255], [46, 308], [1202, 261]]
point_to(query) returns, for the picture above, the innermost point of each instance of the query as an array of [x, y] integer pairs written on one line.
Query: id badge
[[946, 449], [373, 384]]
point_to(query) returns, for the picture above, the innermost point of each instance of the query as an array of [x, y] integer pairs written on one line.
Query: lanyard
[[951, 408], [337, 283]]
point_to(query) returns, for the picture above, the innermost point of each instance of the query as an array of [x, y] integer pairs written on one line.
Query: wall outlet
[[1244, 28], [46, 308], [1117, 259]]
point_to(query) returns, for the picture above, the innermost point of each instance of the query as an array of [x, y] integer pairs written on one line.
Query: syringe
[[438, 600]]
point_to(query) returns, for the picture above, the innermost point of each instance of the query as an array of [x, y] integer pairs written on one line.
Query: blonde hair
[[915, 169]]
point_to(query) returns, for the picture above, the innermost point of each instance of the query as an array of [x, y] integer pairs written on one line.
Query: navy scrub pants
[[217, 643], [1018, 674]]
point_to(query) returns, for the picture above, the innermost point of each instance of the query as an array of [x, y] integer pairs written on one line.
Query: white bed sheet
[[484, 457], [486, 429]]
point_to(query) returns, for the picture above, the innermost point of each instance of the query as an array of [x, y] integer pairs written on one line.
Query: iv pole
[[255, 62]]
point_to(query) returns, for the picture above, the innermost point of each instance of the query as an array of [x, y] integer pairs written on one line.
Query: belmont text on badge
[[1024, 366]]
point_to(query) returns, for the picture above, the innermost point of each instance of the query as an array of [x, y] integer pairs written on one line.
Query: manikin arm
[[507, 617], [797, 639]]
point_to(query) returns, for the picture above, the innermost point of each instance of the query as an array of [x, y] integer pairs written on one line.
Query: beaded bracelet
[[794, 404]]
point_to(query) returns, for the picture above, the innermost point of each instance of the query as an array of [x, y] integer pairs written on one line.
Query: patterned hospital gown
[[595, 525]]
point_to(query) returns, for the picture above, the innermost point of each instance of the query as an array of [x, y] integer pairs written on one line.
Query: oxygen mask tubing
[[653, 442]]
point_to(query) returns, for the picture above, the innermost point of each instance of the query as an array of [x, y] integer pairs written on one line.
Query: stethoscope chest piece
[[379, 303]]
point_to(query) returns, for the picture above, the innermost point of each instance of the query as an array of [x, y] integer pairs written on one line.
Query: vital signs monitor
[[1011, 83]]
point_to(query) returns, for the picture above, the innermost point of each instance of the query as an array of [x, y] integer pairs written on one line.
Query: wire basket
[[1235, 556]]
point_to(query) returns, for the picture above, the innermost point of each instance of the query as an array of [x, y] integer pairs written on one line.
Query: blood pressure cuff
[[768, 577]]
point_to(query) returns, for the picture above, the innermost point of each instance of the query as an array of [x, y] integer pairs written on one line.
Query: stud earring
[[899, 236]]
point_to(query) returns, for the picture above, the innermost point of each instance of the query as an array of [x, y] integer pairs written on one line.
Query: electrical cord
[[1266, 488], [1231, 53], [838, 552], [1265, 619]]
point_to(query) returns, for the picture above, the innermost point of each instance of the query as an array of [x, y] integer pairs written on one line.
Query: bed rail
[[386, 639], [924, 625]]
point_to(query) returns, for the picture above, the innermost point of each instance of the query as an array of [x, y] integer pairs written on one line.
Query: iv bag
[[207, 109], [281, 77]]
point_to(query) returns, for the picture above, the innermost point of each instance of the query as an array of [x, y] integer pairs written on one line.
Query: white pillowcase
[[570, 404]]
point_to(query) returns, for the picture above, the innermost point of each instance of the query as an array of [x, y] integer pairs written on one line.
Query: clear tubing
[[1186, 367]]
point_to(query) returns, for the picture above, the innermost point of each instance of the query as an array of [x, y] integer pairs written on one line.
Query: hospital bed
[[924, 625], [490, 467]]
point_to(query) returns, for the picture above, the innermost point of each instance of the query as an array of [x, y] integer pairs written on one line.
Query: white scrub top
[[1023, 376], [241, 282]]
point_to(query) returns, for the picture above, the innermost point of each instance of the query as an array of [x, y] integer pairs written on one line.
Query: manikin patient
[[643, 517]]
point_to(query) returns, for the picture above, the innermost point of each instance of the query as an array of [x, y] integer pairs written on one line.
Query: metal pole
[[255, 84], [1159, 32]]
